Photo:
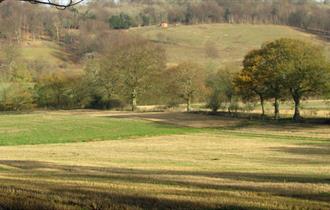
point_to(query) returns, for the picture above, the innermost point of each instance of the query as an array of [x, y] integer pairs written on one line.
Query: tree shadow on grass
[[104, 172], [321, 150], [181, 119], [223, 121], [101, 200], [221, 182]]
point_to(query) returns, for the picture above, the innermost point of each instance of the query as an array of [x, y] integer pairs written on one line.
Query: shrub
[[98, 102], [173, 104], [214, 102], [248, 107], [16, 97], [234, 107], [122, 21]]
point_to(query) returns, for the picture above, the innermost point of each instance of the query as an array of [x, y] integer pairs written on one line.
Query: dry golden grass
[[233, 41], [225, 168]]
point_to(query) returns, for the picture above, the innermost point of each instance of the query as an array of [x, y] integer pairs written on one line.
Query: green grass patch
[[29, 129]]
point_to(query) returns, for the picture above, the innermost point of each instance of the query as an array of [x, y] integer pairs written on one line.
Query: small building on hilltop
[[163, 24]]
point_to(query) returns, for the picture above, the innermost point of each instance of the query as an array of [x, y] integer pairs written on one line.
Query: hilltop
[[232, 41]]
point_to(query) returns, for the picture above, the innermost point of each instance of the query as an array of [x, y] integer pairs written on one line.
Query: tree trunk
[[277, 109], [296, 117], [58, 105], [18, 36], [109, 95], [188, 104], [262, 103], [134, 100], [57, 33]]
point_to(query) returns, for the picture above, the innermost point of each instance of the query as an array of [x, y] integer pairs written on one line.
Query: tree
[[221, 88], [58, 4], [121, 21], [55, 90], [274, 74], [282, 67], [103, 79], [15, 81], [305, 70], [250, 81], [264, 74], [138, 62], [186, 81]]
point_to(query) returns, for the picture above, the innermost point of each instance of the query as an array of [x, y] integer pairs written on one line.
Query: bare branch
[[56, 4]]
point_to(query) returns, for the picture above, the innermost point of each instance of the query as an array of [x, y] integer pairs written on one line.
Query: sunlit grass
[[237, 164], [232, 40]]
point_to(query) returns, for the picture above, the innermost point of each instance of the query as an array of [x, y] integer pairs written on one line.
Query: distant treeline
[[307, 14], [17, 17]]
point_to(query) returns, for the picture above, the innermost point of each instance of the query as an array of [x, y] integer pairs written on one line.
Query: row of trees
[[133, 71], [282, 69]]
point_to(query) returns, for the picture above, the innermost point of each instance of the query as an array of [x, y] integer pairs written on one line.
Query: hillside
[[49, 53], [45, 55], [188, 42]]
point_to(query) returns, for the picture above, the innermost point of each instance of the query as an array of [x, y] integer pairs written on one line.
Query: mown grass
[[187, 43], [52, 128], [237, 164]]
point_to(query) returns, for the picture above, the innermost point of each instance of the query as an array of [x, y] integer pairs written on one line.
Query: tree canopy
[[186, 81], [281, 68]]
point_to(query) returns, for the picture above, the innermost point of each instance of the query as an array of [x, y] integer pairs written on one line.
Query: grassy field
[[54, 128], [211, 163], [187, 43]]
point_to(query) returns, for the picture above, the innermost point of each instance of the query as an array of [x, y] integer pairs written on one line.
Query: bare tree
[[55, 3]]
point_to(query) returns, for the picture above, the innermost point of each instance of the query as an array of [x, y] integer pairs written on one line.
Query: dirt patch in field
[[183, 119]]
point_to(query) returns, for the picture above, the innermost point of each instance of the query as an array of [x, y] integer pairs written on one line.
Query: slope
[[189, 43]]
